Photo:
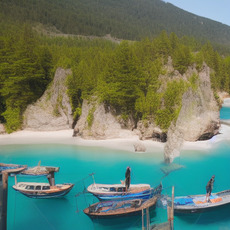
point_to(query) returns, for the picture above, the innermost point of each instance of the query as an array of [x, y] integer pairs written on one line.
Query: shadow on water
[[216, 215], [125, 222]]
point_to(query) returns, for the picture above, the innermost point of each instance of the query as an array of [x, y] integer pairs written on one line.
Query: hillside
[[124, 19]]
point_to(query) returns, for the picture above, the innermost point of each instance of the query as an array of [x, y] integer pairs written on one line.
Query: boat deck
[[197, 202], [121, 209], [118, 188]]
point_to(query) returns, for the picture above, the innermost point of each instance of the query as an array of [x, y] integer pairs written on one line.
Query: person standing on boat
[[127, 178], [209, 188]]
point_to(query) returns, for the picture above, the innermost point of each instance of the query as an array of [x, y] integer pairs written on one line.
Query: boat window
[[112, 189], [30, 187], [46, 187], [121, 189], [38, 187]]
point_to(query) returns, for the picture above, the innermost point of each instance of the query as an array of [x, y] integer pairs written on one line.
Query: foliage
[[182, 59], [125, 76], [126, 19], [172, 101], [90, 117], [24, 73], [13, 118]]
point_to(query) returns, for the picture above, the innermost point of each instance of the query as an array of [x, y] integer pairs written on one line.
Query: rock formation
[[97, 122], [100, 122], [2, 129], [148, 130], [53, 110], [139, 147], [198, 118]]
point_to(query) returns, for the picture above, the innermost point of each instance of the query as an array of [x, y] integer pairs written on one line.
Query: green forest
[[124, 19], [124, 76]]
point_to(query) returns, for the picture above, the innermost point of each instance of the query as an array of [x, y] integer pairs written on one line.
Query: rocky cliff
[[99, 122], [198, 118], [52, 111]]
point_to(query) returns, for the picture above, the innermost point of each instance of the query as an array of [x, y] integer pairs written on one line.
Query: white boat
[[118, 191], [42, 190]]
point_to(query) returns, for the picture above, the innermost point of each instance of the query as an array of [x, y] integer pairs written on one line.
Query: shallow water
[[109, 166]]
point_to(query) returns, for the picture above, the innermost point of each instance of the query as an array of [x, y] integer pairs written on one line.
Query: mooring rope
[[40, 212]]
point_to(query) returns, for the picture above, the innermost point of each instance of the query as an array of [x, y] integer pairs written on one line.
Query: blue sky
[[218, 10]]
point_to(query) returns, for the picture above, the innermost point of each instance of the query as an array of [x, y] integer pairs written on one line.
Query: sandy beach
[[65, 137], [124, 143]]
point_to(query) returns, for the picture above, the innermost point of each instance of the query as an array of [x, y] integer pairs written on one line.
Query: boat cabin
[[31, 187]]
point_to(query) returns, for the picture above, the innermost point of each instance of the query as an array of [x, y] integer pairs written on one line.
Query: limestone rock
[[53, 110], [198, 118], [139, 147], [2, 129], [223, 96], [98, 122], [149, 131], [173, 145]]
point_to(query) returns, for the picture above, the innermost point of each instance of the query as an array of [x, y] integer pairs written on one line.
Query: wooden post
[[147, 218], [172, 211], [1, 199], [4, 191], [143, 224], [3, 224], [51, 179]]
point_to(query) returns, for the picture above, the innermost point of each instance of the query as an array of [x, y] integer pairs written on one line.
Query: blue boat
[[11, 168], [118, 191], [42, 190]]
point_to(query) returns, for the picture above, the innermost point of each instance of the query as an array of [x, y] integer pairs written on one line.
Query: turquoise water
[[225, 113], [109, 166]]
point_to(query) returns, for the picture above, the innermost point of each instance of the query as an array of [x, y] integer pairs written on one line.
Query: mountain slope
[[126, 19]]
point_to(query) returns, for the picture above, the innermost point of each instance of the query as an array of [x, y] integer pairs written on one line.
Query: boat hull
[[45, 194], [141, 195], [198, 210], [141, 191], [132, 211], [197, 203]]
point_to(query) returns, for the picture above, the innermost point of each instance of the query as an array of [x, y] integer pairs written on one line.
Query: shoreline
[[124, 143], [65, 137]]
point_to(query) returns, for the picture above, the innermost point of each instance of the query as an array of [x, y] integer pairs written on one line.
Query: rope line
[[40, 212]]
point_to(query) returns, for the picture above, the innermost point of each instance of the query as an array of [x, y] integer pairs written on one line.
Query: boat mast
[[15, 179], [92, 174]]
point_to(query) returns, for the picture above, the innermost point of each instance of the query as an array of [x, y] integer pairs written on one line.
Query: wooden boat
[[11, 168], [119, 208], [39, 170], [42, 190], [197, 203], [118, 191]]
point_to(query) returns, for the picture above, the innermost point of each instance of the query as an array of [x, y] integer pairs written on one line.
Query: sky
[[217, 10]]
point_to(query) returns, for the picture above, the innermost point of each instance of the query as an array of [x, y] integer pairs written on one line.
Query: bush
[[13, 119]]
